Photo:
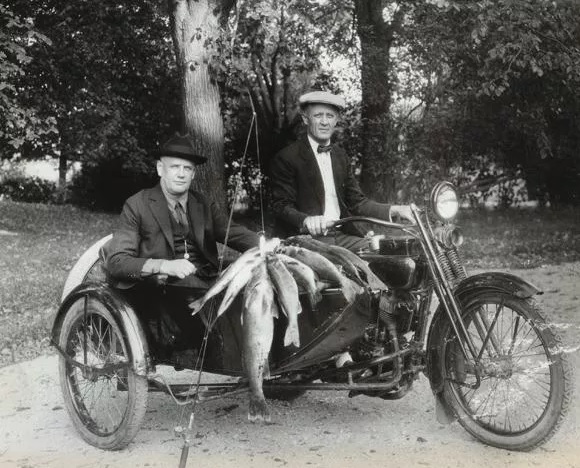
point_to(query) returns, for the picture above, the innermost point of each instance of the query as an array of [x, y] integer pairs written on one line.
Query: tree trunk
[[379, 139], [62, 170], [196, 26]]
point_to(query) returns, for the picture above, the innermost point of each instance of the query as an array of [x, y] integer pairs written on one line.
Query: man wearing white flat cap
[[313, 183]]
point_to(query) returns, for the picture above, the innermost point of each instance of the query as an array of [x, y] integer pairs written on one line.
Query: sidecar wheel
[[526, 379], [106, 407]]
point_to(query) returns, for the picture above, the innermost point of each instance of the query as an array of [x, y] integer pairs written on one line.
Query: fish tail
[[258, 409], [314, 298], [196, 305], [292, 336]]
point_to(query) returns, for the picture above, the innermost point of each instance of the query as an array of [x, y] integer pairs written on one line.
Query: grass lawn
[[38, 246], [40, 243], [520, 238]]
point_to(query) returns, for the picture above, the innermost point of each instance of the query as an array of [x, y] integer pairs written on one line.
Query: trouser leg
[[165, 314]]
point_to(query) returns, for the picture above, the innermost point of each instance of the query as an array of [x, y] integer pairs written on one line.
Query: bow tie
[[323, 149]]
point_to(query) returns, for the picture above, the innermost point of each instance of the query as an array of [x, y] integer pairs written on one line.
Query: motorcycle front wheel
[[516, 391]]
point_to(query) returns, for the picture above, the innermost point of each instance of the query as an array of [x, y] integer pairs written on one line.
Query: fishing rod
[[187, 431]]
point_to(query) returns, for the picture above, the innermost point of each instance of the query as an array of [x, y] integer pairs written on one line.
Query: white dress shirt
[[331, 205]]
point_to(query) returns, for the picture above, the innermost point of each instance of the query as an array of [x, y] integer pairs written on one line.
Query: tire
[[107, 409], [525, 388]]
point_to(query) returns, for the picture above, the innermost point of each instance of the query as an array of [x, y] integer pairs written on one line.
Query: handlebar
[[334, 225], [366, 219]]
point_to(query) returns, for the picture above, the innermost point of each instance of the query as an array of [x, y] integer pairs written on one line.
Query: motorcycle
[[492, 358]]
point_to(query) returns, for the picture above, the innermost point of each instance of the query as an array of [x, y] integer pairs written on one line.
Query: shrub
[[28, 189], [105, 184]]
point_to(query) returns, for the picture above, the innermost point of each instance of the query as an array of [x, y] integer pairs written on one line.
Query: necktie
[[323, 149], [180, 214]]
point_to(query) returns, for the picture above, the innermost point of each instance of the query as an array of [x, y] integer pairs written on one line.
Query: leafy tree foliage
[[273, 57], [19, 120], [449, 88], [272, 54], [107, 81], [501, 84]]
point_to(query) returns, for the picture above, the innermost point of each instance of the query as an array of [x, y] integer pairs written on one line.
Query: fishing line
[[259, 164], [239, 186]]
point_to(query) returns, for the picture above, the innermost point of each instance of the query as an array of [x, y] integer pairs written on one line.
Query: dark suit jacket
[[144, 232], [298, 190]]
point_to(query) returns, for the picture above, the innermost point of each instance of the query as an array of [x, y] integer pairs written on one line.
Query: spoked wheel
[[525, 381], [104, 397]]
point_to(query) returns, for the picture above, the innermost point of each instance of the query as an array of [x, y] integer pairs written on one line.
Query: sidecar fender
[[468, 288], [123, 315]]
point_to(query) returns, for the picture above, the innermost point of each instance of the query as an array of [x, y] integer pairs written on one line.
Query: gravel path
[[320, 429]]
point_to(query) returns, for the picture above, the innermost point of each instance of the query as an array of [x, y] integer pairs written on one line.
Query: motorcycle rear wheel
[[526, 379]]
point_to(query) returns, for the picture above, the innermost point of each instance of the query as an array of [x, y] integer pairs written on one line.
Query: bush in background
[[27, 189], [105, 185]]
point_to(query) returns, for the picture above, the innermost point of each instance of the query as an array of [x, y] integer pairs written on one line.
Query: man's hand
[[317, 225], [180, 268], [402, 211]]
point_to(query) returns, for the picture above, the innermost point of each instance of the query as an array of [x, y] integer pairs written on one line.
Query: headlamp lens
[[446, 203]]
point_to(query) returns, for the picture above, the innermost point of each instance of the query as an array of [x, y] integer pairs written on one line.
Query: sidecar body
[[107, 364], [324, 332]]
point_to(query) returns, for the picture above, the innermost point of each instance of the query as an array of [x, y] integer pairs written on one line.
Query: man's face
[[320, 121], [176, 174]]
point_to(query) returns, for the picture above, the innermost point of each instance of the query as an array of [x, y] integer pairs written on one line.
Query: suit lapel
[[161, 214], [338, 170], [312, 170], [196, 219]]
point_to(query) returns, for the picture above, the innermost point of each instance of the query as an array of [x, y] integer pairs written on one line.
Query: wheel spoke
[[477, 411], [490, 334], [97, 398], [514, 367], [514, 334]]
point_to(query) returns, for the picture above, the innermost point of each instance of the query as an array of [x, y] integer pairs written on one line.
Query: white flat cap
[[321, 97]]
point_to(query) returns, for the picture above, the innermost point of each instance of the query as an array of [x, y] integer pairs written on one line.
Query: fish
[[305, 278], [246, 261], [325, 269], [345, 256], [257, 336], [334, 253], [236, 285], [287, 294]]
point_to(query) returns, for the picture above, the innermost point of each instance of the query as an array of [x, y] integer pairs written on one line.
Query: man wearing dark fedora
[[313, 183], [170, 232]]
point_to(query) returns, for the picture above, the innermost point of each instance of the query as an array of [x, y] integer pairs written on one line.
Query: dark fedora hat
[[181, 146]]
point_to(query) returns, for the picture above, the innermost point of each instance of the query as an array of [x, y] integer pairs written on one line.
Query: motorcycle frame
[[443, 289]]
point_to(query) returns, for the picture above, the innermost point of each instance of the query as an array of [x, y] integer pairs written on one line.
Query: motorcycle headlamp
[[444, 201]]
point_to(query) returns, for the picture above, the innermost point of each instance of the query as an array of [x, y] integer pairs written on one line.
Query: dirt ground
[[319, 429]]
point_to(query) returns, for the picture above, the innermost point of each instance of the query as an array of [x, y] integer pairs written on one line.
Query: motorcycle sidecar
[[107, 365]]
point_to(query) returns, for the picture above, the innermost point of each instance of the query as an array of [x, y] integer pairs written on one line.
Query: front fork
[[447, 298]]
